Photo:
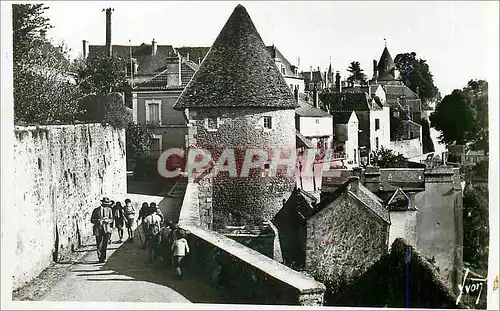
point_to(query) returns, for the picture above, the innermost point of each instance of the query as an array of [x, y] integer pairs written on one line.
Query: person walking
[[112, 224], [129, 213], [102, 218], [153, 228], [180, 249], [119, 219], [154, 209], [143, 212]]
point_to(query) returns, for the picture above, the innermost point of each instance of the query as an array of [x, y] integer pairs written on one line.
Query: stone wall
[[253, 199], [241, 274], [440, 223], [409, 148], [344, 241], [60, 175]]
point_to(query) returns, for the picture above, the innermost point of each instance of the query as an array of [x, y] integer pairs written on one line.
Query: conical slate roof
[[386, 63], [237, 72]]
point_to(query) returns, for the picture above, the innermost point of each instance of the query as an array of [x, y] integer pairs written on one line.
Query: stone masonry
[[61, 173]]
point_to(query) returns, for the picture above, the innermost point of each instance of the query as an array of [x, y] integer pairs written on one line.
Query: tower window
[[377, 124], [268, 122]]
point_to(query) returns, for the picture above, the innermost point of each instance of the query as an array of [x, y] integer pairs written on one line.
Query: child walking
[[180, 249]]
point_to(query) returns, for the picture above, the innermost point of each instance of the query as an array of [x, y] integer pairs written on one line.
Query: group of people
[[161, 235]]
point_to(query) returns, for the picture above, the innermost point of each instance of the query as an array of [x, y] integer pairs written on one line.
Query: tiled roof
[[147, 63], [277, 55], [159, 82], [403, 95], [306, 110], [346, 101], [317, 76], [301, 141], [341, 117], [237, 72], [406, 179], [365, 196], [195, 52]]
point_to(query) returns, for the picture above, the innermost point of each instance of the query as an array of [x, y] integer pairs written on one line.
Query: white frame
[[160, 138], [149, 102]]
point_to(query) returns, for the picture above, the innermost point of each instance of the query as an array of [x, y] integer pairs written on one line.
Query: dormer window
[[283, 69]]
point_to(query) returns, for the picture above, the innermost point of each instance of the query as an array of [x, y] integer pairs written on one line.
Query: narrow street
[[126, 276]]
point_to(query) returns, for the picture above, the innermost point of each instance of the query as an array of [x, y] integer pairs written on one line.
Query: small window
[[377, 124], [283, 70], [376, 143], [268, 123], [317, 121], [311, 86], [155, 144]]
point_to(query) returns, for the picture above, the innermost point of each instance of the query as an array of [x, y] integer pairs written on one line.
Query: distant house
[[346, 136], [475, 156], [157, 74], [315, 124], [290, 72], [372, 114]]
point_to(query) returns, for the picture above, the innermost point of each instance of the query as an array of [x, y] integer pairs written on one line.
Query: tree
[[138, 140], [462, 116], [397, 125], [44, 89], [386, 158], [100, 74], [356, 72], [417, 76], [476, 226]]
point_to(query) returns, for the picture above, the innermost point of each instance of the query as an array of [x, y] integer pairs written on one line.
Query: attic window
[[283, 69]]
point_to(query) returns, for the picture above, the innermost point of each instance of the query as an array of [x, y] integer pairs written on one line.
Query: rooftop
[[237, 72]]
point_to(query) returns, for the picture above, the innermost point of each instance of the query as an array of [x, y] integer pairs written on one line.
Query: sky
[[456, 38]]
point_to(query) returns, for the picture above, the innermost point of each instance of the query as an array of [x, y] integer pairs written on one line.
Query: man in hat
[[102, 217]]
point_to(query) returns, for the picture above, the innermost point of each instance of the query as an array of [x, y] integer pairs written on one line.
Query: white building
[[315, 124]]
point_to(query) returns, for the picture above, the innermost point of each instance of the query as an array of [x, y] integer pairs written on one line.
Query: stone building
[[290, 72], [238, 100], [337, 238], [425, 205]]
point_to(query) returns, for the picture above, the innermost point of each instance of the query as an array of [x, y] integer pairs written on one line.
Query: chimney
[[298, 62], [153, 47], [354, 184], [108, 32], [372, 178], [338, 85], [85, 51], [375, 72], [315, 98]]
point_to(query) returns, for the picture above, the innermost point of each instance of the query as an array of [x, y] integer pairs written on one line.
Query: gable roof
[[399, 201], [346, 102], [147, 63], [307, 110], [398, 96], [362, 194], [237, 72], [342, 117], [195, 52], [289, 68], [317, 76], [159, 82]]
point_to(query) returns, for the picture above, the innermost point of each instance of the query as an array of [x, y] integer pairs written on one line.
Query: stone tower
[[238, 101]]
